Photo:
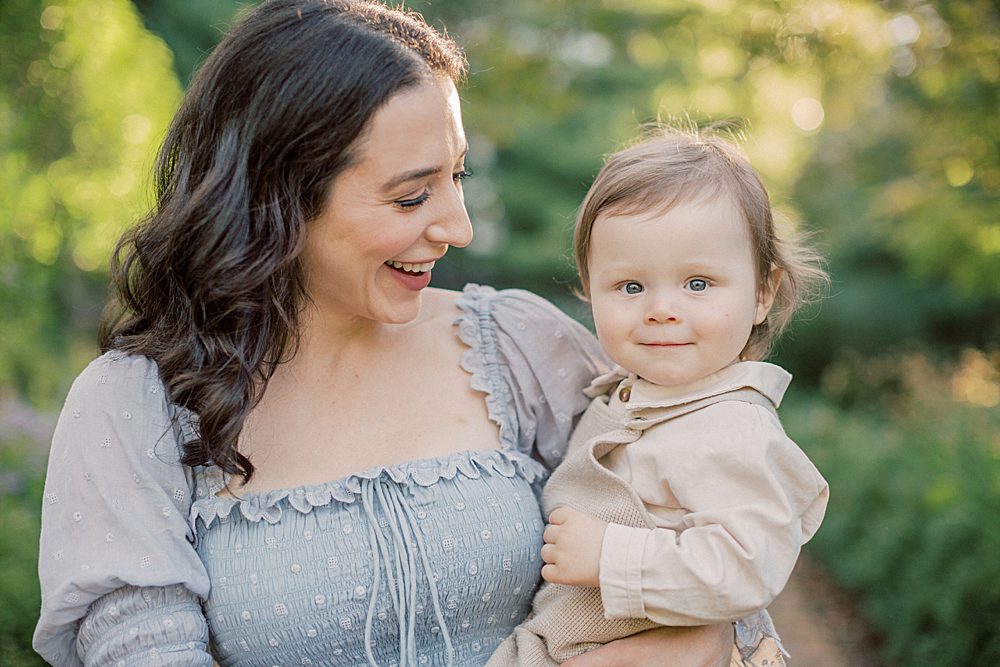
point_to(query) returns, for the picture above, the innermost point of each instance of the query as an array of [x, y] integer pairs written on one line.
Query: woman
[[277, 333]]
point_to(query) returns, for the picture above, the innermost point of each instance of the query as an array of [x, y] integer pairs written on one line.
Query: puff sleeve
[[121, 581], [533, 361]]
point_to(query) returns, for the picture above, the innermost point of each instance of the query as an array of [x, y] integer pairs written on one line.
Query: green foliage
[[20, 500], [906, 190], [190, 28], [83, 103], [911, 453]]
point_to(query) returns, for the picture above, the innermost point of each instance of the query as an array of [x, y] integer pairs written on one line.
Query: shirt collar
[[769, 380]]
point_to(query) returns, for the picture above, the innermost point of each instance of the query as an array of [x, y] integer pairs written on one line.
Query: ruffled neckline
[[270, 505], [480, 360]]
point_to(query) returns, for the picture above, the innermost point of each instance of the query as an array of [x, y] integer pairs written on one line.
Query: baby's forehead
[[701, 231], [653, 200], [710, 203]]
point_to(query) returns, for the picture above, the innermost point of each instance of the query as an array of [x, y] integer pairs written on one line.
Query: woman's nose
[[452, 224]]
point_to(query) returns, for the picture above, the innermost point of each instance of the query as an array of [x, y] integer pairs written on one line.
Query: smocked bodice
[[429, 562]]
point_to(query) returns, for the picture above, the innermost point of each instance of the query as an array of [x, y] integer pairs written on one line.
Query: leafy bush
[[20, 502], [912, 455]]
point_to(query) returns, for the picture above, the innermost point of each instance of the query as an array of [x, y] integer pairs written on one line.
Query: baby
[[681, 501]]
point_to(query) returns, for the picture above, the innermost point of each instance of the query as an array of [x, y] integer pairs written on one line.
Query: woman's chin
[[401, 310]]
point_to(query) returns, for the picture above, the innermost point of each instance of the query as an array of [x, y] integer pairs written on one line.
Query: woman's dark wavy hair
[[209, 284]]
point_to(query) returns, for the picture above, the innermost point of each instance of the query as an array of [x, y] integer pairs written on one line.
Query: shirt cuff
[[621, 571]]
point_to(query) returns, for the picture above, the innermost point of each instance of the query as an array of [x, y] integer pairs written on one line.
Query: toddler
[[681, 501]]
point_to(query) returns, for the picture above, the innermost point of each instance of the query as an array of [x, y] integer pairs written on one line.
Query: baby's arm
[[697, 646], [572, 554], [751, 497]]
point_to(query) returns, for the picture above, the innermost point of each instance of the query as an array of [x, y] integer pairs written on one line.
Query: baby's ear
[[766, 292]]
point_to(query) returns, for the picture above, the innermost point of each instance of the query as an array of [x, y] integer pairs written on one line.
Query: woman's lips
[[413, 276]]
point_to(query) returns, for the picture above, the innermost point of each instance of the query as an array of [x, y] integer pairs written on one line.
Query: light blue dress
[[429, 562]]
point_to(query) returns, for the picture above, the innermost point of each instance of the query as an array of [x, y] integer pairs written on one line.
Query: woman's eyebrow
[[417, 174], [411, 175]]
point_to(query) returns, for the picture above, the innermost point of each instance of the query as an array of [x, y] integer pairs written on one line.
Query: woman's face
[[393, 212]]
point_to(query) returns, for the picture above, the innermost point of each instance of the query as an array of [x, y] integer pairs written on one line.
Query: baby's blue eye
[[697, 285], [631, 287]]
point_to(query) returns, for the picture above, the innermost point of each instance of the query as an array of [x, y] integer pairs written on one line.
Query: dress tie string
[[398, 553]]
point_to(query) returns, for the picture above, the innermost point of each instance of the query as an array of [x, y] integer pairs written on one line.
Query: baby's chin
[[679, 379]]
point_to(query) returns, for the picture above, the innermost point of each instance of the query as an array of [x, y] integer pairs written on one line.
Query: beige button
[[624, 394]]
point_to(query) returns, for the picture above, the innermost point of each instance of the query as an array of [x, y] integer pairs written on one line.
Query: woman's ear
[[766, 293]]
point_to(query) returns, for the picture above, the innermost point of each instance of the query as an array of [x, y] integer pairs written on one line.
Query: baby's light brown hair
[[671, 166]]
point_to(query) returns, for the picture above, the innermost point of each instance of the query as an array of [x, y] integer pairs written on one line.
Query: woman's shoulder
[[530, 359], [486, 297], [519, 321], [119, 365], [115, 376], [119, 388]]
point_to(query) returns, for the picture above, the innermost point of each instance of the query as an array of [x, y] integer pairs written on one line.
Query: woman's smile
[[412, 267], [414, 277]]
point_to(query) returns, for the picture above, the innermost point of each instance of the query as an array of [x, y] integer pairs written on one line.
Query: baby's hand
[[572, 550]]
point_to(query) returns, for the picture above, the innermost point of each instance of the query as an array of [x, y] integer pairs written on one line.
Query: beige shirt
[[732, 497], [707, 502]]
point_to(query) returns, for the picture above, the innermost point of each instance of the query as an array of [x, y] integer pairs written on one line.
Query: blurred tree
[[908, 191], [190, 28], [926, 182], [85, 95]]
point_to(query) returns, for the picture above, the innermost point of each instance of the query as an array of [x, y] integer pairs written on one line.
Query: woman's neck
[[327, 340], [324, 338]]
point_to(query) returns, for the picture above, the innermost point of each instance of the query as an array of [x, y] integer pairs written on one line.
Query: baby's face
[[674, 293]]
